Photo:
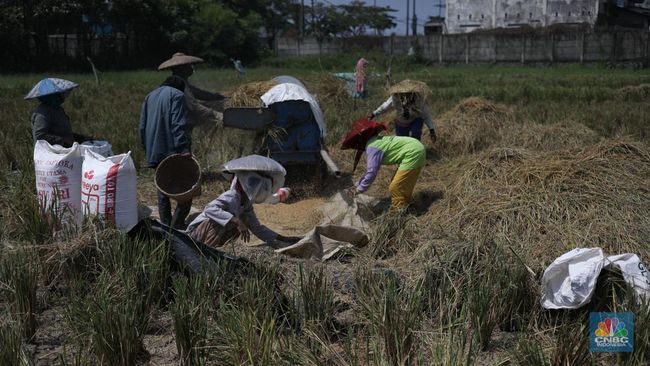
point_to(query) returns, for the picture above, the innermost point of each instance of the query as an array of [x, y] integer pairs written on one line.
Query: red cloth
[[360, 133]]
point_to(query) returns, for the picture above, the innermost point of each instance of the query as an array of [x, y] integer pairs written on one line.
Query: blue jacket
[[163, 129]]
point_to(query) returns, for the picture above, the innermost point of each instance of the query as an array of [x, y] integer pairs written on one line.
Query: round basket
[[179, 177]]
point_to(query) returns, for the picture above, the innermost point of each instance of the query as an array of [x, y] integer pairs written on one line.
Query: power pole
[[408, 8], [313, 16], [415, 21], [302, 18]]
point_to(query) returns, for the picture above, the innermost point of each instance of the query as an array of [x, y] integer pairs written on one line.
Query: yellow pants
[[401, 187]]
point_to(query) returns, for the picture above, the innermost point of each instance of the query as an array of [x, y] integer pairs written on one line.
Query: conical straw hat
[[180, 59], [410, 86], [50, 86]]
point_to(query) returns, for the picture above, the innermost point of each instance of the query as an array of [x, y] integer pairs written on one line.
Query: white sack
[[109, 189], [290, 91], [103, 148], [58, 182], [570, 281], [634, 272]]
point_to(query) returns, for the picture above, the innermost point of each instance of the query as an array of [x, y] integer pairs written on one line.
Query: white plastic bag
[[103, 148], [109, 189], [570, 281], [58, 183]]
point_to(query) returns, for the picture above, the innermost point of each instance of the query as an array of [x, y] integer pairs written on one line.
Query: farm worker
[[406, 152], [202, 106], [49, 120], [408, 97], [361, 86], [231, 215], [356, 82], [163, 132]]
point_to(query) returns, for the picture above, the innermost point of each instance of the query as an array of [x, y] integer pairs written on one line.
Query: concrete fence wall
[[605, 46]]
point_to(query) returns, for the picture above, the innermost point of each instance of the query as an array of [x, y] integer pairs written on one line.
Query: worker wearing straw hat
[[202, 106], [163, 132], [406, 152], [408, 97], [49, 120]]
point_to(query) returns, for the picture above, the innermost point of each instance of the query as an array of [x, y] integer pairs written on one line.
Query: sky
[[424, 8]]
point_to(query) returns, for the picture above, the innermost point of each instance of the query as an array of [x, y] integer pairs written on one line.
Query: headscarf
[[360, 75], [361, 132]]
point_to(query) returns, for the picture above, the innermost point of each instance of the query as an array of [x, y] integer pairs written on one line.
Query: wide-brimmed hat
[[410, 86], [360, 133], [50, 86], [179, 59]]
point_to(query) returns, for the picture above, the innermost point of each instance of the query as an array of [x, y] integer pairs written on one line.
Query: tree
[[358, 18]]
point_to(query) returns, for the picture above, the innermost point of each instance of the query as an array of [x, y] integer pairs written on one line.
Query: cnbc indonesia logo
[[612, 332]]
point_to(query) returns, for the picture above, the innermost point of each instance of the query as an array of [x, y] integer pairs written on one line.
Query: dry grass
[[543, 204], [472, 125], [248, 95], [634, 92], [328, 88]]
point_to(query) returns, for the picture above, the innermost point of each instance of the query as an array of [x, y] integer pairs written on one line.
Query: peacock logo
[[611, 327], [611, 332]]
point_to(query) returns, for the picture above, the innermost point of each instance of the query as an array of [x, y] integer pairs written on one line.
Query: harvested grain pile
[[472, 125], [557, 136], [328, 88], [634, 92], [544, 204], [248, 95]]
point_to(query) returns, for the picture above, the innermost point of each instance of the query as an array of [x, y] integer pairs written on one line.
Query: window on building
[[518, 15], [506, 15], [470, 17], [458, 16], [530, 15], [569, 13], [482, 16], [556, 14], [589, 13]]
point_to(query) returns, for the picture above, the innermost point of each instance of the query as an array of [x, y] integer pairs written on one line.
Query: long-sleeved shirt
[[228, 205], [52, 124], [163, 124], [406, 152], [202, 106], [418, 110]]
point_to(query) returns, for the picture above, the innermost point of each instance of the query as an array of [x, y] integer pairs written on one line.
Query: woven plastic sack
[[58, 183], [103, 148], [109, 189]]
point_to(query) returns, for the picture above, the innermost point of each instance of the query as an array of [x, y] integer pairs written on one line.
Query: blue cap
[[50, 86]]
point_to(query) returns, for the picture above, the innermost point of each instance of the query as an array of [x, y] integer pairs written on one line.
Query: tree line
[[151, 30]]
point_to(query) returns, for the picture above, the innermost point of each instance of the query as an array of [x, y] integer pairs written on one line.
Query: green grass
[[420, 293]]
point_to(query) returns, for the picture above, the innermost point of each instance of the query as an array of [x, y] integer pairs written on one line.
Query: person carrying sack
[[406, 152], [408, 98], [49, 120]]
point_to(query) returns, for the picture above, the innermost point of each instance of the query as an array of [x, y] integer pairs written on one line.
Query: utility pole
[[415, 21], [408, 8], [313, 16], [302, 18]]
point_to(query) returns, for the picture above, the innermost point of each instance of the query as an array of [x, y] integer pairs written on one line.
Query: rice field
[[529, 163]]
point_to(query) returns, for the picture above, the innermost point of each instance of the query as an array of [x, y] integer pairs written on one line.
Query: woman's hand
[[243, 229]]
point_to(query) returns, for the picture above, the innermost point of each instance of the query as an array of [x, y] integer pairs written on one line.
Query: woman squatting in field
[[406, 152]]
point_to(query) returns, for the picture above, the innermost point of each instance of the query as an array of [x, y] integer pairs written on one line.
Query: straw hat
[[410, 86], [180, 59], [50, 86]]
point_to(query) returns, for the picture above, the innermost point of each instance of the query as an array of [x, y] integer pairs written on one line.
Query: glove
[[432, 136]]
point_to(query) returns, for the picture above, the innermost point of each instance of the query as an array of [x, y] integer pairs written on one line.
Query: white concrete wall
[[467, 15]]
